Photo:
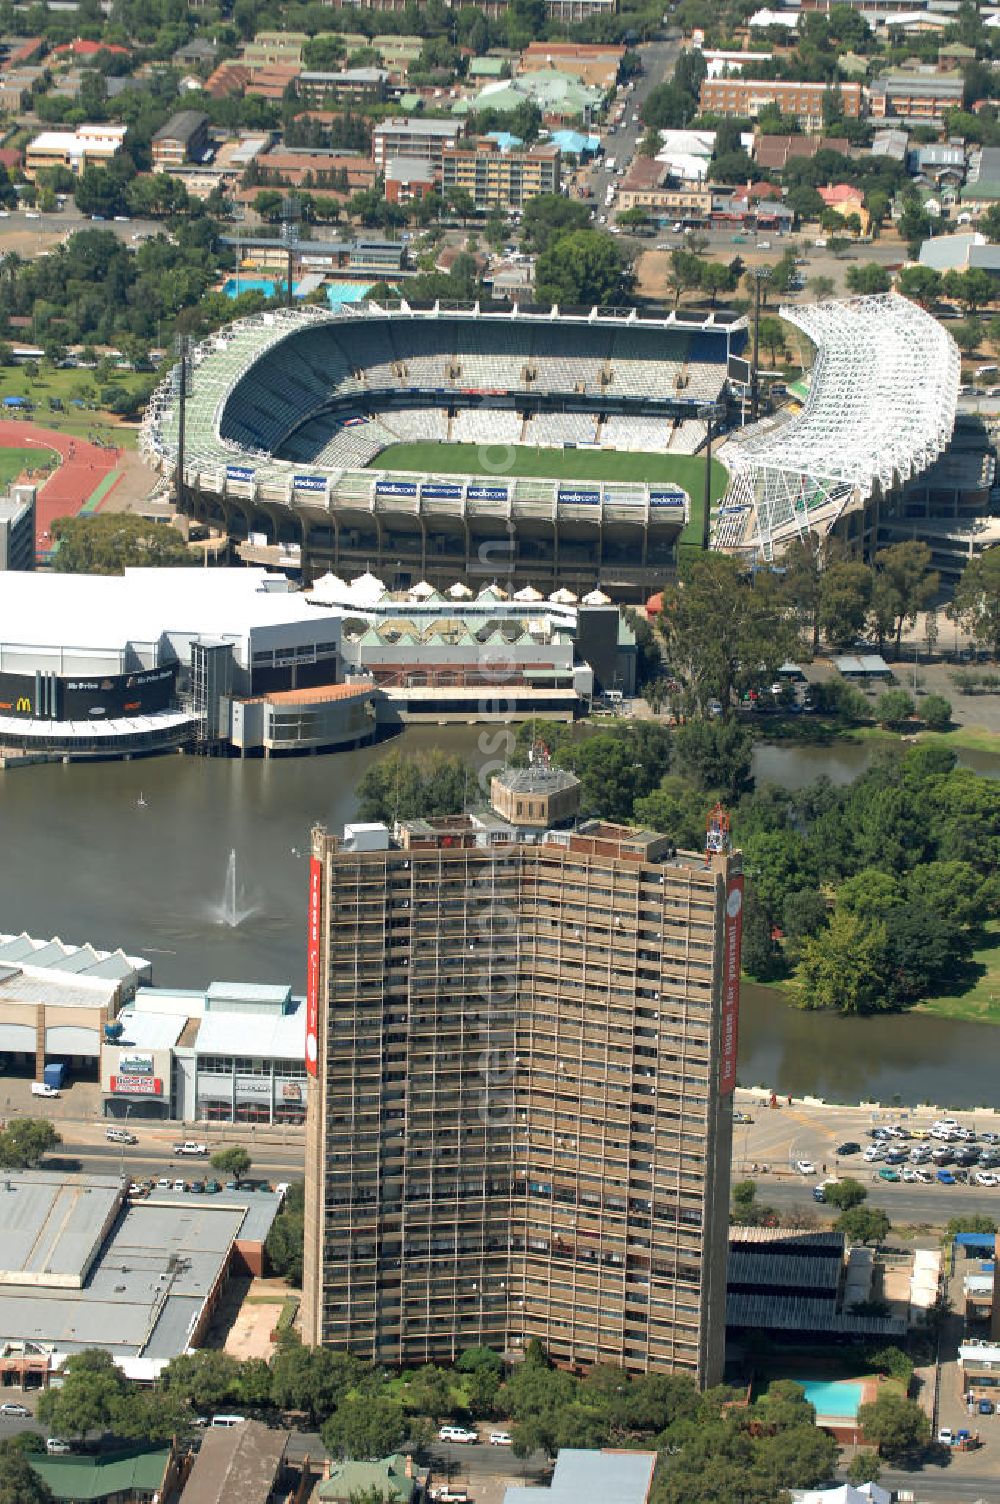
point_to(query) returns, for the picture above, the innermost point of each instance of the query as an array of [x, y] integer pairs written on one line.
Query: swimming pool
[[347, 292], [840, 1400], [236, 285]]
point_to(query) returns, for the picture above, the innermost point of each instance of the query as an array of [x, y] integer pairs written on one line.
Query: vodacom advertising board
[[732, 942], [312, 966]]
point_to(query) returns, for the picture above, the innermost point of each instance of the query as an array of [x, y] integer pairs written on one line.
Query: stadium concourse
[[82, 469], [880, 410], [285, 410]]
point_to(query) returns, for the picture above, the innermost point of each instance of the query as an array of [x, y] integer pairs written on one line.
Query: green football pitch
[[500, 460]]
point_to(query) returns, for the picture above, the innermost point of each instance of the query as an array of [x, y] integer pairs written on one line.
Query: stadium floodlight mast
[[710, 413], [291, 213], [181, 378], [760, 274]]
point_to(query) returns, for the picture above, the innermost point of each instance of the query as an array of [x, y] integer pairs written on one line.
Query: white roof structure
[[867, 1493], [764, 18], [880, 409]]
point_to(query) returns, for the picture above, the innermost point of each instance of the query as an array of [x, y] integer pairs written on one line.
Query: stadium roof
[[880, 409]]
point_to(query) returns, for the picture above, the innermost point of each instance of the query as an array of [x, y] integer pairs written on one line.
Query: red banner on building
[[312, 967], [137, 1086], [731, 986]]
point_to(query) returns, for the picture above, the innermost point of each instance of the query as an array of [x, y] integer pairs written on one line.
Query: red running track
[[83, 468]]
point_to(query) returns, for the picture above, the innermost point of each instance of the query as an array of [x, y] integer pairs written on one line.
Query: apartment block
[[498, 178], [746, 97], [523, 1046], [184, 138], [87, 146], [418, 140], [916, 97]]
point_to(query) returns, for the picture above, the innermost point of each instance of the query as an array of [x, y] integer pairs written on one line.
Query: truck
[[190, 1147], [959, 1441]]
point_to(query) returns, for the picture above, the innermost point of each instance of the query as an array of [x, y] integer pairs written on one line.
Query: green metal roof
[[95, 1478], [388, 1475], [487, 67]]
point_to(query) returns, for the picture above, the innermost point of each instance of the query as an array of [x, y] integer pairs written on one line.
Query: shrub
[[935, 712]]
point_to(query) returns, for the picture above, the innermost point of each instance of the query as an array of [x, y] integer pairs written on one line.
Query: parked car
[[805, 1167], [120, 1136], [212, 1187], [946, 1177], [197, 1187], [986, 1177], [910, 1175], [986, 1407], [892, 1175], [459, 1434], [501, 1439], [873, 1153], [742, 1117], [848, 1147], [896, 1157], [190, 1147], [17, 1412], [56, 1447]]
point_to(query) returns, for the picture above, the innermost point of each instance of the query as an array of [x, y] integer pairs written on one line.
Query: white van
[[43, 1089], [226, 1422]]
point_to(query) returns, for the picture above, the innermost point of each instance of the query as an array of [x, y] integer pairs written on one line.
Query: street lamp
[[760, 274], [709, 413], [291, 213], [121, 1168]]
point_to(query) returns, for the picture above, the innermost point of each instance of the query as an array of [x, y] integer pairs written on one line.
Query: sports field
[[498, 460], [13, 461]]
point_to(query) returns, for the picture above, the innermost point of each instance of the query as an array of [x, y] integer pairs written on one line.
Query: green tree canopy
[[25, 1142], [864, 1224], [110, 542], [234, 1161], [579, 268], [846, 1193], [976, 604], [19, 1483], [285, 1239], [898, 1428], [365, 1427]]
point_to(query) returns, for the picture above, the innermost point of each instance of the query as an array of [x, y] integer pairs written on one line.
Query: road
[[273, 1161], [902, 1203], [658, 60], [30, 237]]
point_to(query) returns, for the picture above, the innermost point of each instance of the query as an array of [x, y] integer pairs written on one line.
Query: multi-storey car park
[[285, 410], [880, 411]]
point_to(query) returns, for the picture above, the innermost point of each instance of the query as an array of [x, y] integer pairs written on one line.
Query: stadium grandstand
[[287, 410], [880, 410]]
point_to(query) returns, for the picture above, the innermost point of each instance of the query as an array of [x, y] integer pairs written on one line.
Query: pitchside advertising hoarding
[[732, 943], [312, 967]]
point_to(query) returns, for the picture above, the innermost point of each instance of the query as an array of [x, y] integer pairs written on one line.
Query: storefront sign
[[135, 1065], [254, 1085], [731, 985], [291, 1091], [312, 967], [137, 1086]]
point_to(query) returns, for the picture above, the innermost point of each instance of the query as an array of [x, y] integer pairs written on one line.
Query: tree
[[803, 914], [910, 583], [976, 604], [968, 335], [899, 1428], [723, 635], [87, 1399], [935, 712], [772, 336], [583, 267], [822, 288], [548, 216], [25, 1142], [285, 1239], [841, 967], [234, 1161], [864, 1467], [110, 542], [845, 591], [208, 1379], [760, 957], [365, 1427], [846, 1193], [864, 1224], [414, 787], [667, 107], [922, 284], [312, 1379], [428, 1392], [868, 277], [803, 581], [894, 708], [19, 1483]]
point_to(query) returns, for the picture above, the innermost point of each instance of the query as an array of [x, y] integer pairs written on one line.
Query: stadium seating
[[624, 431], [560, 428], [486, 425], [688, 436]]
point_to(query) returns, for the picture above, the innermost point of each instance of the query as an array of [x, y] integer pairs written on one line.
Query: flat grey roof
[[51, 1226], [240, 1463], [591, 1477]]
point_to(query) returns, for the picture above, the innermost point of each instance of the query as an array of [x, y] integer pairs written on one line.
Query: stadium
[[554, 448], [880, 411]]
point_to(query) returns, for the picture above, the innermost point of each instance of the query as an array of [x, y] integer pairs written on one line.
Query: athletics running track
[[84, 475]]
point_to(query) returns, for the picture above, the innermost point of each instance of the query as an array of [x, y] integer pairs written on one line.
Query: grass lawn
[[976, 998], [64, 386], [684, 470], [13, 461]]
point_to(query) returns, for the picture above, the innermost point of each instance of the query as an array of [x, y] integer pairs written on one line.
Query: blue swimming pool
[[840, 1400], [236, 285], [346, 292]]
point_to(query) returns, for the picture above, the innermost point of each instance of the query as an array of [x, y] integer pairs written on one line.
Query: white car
[[872, 1153], [190, 1147], [910, 1175], [986, 1177], [501, 1439], [805, 1167], [459, 1434]]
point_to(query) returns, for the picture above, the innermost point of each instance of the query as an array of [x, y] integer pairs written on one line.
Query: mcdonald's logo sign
[[24, 705]]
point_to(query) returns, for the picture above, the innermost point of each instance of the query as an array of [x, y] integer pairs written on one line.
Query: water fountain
[[231, 912]]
